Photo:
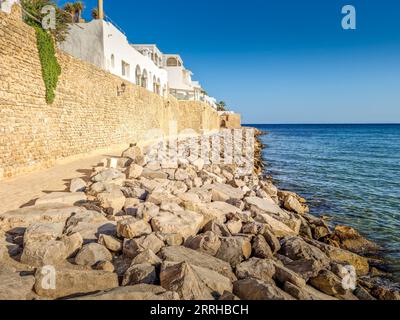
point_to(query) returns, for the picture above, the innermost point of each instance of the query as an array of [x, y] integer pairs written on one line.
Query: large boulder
[[328, 283], [261, 248], [264, 206], [217, 210], [253, 289], [224, 192], [131, 228], [180, 254], [181, 278], [72, 282], [110, 243], [133, 247], [147, 257], [140, 273], [15, 287], [66, 198], [234, 250], [142, 292], [283, 274], [112, 202], [41, 232], [207, 242], [298, 250], [344, 257], [38, 254], [77, 185], [91, 254], [279, 228], [185, 223], [193, 282], [49, 213], [261, 269], [108, 175]]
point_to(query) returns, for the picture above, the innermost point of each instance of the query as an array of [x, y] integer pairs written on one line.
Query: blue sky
[[286, 61]]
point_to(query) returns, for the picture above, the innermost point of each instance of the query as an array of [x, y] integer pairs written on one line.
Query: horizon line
[[323, 123]]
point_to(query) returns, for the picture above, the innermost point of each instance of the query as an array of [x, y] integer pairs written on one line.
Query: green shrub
[[50, 66]]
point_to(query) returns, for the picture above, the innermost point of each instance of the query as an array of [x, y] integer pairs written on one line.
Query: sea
[[349, 172]]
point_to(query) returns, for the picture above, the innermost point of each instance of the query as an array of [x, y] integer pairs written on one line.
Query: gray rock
[[91, 254], [261, 248], [253, 289], [181, 278], [66, 198], [142, 292], [77, 185], [113, 202], [140, 273], [108, 175], [234, 250], [147, 257], [256, 268], [133, 247], [207, 242], [224, 192], [110, 243], [180, 254], [15, 287], [283, 274], [71, 282], [185, 223], [132, 228]]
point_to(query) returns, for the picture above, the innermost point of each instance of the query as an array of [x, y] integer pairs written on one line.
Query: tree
[[95, 13], [221, 106], [35, 16], [78, 7], [69, 8]]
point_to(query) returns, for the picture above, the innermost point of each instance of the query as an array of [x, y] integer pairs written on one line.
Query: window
[[138, 74], [112, 61], [144, 79], [126, 69], [172, 62]]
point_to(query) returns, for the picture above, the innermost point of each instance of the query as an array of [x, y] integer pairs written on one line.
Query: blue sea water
[[349, 172]]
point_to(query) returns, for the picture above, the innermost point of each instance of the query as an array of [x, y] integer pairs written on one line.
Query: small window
[[172, 62], [126, 69], [112, 61]]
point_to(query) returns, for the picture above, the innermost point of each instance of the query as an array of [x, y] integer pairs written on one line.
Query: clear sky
[[286, 61]]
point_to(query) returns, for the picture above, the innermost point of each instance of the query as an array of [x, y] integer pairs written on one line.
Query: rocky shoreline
[[140, 230]]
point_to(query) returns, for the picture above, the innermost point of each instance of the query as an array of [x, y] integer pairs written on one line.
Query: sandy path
[[24, 190]]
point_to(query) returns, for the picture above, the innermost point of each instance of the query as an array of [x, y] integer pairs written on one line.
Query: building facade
[[104, 45]]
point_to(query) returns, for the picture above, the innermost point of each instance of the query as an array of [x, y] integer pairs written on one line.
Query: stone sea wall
[[87, 115]]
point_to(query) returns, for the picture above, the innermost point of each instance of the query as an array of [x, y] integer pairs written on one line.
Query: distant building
[[104, 45], [180, 81]]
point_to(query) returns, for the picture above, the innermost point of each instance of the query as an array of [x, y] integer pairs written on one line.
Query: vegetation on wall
[[45, 41], [221, 106], [50, 67]]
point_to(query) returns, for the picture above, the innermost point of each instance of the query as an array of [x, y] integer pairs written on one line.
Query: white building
[[104, 45], [180, 81]]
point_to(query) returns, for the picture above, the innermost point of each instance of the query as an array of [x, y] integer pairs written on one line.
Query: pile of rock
[[190, 230]]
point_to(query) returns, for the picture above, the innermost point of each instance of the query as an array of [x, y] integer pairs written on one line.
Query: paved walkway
[[24, 190]]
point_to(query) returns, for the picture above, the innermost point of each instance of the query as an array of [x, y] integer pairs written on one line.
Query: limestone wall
[[230, 120], [88, 114]]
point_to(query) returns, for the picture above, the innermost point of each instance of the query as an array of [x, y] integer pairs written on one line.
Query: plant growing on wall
[[221, 106], [45, 41], [50, 67]]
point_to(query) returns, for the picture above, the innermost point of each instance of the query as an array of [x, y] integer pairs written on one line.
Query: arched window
[[144, 79], [138, 75], [158, 86], [154, 84], [112, 61], [172, 62]]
